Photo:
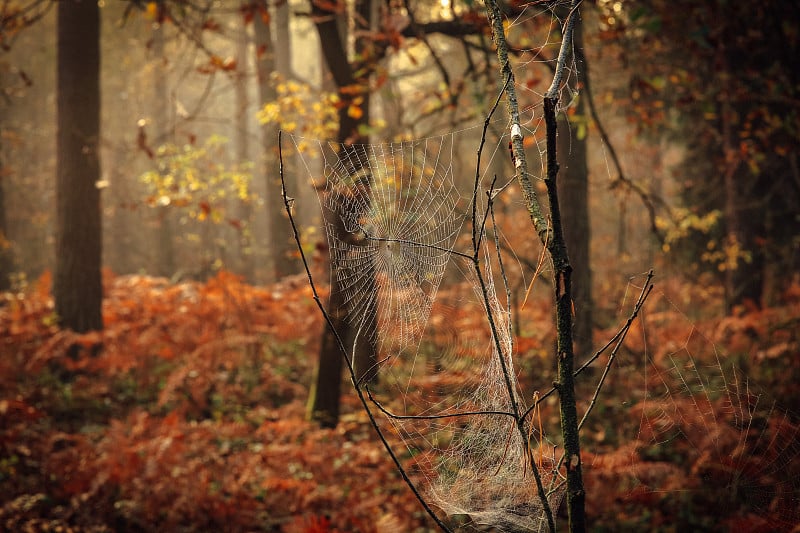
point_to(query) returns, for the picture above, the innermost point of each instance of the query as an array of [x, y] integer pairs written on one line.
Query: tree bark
[[573, 191], [269, 60], [77, 285], [326, 389], [242, 147]]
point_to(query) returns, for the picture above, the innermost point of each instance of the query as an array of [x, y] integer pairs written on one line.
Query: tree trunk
[[77, 286], [165, 243], [743, 213], [324, 399], [6, 258], [366, 342], [281, 247], [744, 281], [573, 191], [242, 147]]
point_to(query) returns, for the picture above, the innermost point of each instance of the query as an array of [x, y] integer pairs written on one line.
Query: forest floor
[[187, 413]]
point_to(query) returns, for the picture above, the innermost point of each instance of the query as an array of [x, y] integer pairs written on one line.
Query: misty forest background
[[160, 345]]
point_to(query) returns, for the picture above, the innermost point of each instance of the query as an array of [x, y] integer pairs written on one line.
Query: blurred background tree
[[717, 81], [77, 288]]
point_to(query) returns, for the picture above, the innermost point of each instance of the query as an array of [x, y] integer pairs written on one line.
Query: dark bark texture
[[324, 400], [573, 191], [77, 285]]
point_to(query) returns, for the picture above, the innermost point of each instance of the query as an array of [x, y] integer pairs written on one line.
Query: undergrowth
[[187, 414]]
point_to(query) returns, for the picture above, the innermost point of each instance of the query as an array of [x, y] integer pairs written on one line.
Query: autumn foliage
[[187, 414]]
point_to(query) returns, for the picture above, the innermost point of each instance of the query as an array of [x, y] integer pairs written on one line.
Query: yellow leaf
[[152, 10]]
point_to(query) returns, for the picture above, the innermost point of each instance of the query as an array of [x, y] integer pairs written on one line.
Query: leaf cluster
[[298, 108], [195, 180]]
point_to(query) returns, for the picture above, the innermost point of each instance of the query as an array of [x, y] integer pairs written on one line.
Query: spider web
[[391, 221], [710, 448], [398, 224], [706, 448]]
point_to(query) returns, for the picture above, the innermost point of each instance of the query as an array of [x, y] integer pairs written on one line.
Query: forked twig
[[614, 341], [648, 287]]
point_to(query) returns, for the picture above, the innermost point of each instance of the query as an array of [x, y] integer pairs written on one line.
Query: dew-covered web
[[689, 439], [398, 221], [391, 220], [709, 448], [704, 448]]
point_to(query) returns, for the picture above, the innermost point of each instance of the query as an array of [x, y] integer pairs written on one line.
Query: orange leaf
[[355, 112], [90, 339], [355, 88], [166, 352]]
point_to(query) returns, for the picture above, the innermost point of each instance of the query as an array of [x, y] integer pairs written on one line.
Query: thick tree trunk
[[77, 286]]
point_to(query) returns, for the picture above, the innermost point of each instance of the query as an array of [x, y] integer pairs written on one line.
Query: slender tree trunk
[[272, 58], [165, 242], [242, 147], [77, 285], [573, 191], [119, 251], [6, 258]]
